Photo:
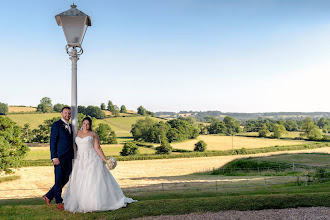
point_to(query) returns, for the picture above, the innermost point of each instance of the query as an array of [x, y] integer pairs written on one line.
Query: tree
[[310, 130], [27, 133], [3, 109], [315, 134], [110, 106], [232, 125], [200, 146], [217, 126], [263, 131], [115, 111], [141, 110], [42, 133], [45, 105], [82, 109], [164, 148], [95, 111], [129, 148], [123, 109], [278, 131], [12, 150], [58, 107], [106, 135], [102, 106]]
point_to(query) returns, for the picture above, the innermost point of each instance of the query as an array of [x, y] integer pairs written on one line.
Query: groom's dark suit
[[61, 147]]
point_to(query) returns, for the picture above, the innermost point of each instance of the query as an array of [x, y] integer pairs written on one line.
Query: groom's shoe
[[60, 206], [46, 200]]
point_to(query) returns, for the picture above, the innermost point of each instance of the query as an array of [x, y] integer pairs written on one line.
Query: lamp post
[[74, 23]]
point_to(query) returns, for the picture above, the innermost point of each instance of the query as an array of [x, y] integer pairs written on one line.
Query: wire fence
[[228, 185]]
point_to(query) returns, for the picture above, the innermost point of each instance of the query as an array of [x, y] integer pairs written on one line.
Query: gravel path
[[317, 213]]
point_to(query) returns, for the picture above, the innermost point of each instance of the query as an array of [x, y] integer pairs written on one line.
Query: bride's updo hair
[[90, 122]]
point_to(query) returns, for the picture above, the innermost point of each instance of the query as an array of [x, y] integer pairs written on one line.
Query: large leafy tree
[[106, 135], [263, 131], [42, 133], [12, 150], [45, 105], [95, 111], [278, 131], [110, 105], [123, 109], [3, 109]]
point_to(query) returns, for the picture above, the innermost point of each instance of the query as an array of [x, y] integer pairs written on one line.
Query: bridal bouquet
[[111, 163]]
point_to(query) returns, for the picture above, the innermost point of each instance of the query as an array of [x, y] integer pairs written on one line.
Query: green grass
[[317, 159], [8, 178], [276, 165], [43, 153], [33, 119], [182, 202], [46, 162]]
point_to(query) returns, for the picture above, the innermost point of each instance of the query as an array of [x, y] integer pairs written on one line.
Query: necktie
[[69, 128]]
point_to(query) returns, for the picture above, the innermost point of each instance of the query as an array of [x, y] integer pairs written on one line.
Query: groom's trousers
[[62, 173]]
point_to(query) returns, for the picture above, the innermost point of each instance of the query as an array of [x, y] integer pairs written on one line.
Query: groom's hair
[[65, 107]]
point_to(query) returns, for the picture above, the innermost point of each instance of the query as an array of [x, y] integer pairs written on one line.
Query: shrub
[[200, 146], [164, 148], [129, 148], [12, 150], [3, 109]]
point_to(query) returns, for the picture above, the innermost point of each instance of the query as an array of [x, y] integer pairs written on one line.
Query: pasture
[[43, 152], [217, 142], [33, 119], [14, 109], [292, 134]]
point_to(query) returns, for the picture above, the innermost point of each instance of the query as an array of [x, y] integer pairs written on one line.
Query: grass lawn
[[217, 142], [180, 202], [317, 159], [33, 119], [37, 153]]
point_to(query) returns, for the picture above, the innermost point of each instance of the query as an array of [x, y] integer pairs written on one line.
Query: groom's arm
[[53, 141]]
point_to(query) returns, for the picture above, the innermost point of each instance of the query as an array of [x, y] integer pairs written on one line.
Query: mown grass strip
[[36, 209], [46, 162], [8, 178]]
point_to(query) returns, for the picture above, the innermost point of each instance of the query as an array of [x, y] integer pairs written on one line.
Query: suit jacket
[[61, 143]]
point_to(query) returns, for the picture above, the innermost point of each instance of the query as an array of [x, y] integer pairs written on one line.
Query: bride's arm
[[98, 148]]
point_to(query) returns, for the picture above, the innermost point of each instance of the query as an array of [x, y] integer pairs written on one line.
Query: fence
[[241, 185]]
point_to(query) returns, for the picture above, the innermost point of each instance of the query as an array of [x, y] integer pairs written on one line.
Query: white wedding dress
[[91, 186]]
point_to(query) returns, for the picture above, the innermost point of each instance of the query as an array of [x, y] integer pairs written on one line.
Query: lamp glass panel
[[74, 28]]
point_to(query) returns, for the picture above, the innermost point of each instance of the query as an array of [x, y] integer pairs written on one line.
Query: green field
[[33, 119], [182, 202], [292, 134], [315, 159], [38, 153]]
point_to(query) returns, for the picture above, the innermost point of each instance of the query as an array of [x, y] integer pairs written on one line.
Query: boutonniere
[[65, 126]]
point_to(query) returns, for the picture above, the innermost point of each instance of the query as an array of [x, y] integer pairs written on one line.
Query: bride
[[91, 186]]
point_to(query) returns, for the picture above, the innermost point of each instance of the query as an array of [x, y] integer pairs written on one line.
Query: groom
[[61, 148]]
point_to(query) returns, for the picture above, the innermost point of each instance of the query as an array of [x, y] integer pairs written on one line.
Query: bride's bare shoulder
[[93, 134]]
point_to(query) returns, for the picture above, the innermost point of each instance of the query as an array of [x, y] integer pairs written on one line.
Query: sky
[[172, 55]]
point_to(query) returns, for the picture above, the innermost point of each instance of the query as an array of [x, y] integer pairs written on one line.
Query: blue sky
[[172, 55]]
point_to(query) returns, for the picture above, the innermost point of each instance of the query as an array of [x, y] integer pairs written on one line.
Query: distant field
[[33, 119], [109, 150], [292, 134], [21, 109], [215, 142], [318, 159], [122, 123]]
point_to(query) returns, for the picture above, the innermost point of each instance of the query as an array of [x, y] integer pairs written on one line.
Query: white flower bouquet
[[111, 163]]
